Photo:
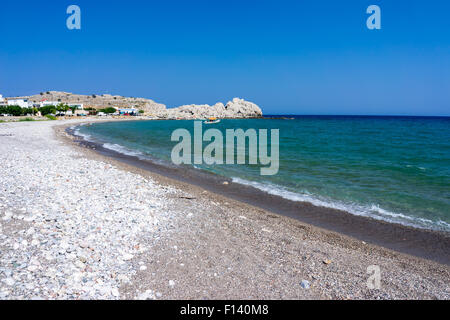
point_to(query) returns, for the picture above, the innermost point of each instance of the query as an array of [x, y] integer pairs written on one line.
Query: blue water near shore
[[392, 168]]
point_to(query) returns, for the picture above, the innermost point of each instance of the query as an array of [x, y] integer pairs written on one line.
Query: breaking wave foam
[[86, 137], [372, 211], [121, 149]]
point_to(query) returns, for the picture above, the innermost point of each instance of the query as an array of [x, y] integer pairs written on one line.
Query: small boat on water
[[211, 121]]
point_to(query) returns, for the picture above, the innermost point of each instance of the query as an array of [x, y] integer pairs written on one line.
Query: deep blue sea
[[391, 168]]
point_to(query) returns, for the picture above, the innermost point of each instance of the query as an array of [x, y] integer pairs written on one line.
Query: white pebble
[[127, 257], [9, 281], [115, 292], [304, 284]]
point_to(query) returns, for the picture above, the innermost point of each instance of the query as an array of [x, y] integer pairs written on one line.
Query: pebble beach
[[78, 225]]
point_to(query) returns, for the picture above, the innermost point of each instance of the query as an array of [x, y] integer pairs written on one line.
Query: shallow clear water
[[391, 168]]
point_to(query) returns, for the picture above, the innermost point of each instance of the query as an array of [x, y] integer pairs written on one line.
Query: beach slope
[[76, 225]]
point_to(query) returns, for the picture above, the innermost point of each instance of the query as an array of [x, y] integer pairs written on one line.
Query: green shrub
[[50, 117], [47, 110], [27, 119], [62, 107], [26, 111], [108, 110], [14, 110]]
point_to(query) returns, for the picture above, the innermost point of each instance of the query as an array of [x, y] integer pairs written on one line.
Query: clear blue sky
[[291, 57]]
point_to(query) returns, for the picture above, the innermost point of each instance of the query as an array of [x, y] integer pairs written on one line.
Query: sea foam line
[[121, 149], [85, 137], [373, 211]]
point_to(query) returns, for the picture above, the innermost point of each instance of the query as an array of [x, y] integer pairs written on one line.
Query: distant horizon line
[[354, 115]]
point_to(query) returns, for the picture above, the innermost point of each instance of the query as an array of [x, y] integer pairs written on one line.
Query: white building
[[23, 103], [48, 103], [1, 98], [128, 111]]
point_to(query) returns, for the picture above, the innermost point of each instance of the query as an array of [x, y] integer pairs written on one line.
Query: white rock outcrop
[[237, 108]]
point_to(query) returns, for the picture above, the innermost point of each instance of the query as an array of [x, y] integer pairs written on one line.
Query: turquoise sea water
[[390, 168]]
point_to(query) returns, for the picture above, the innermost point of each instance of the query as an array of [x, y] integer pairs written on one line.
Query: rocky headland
[[237, 108]]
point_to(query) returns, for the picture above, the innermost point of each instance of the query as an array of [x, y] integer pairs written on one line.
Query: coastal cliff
[[237, 108]]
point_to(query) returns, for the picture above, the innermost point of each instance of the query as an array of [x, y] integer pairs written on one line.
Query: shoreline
[[423, 243], [75, 224]]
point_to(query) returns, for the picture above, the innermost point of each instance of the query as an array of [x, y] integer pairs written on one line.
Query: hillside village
[[77, 105], [69, 104]]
